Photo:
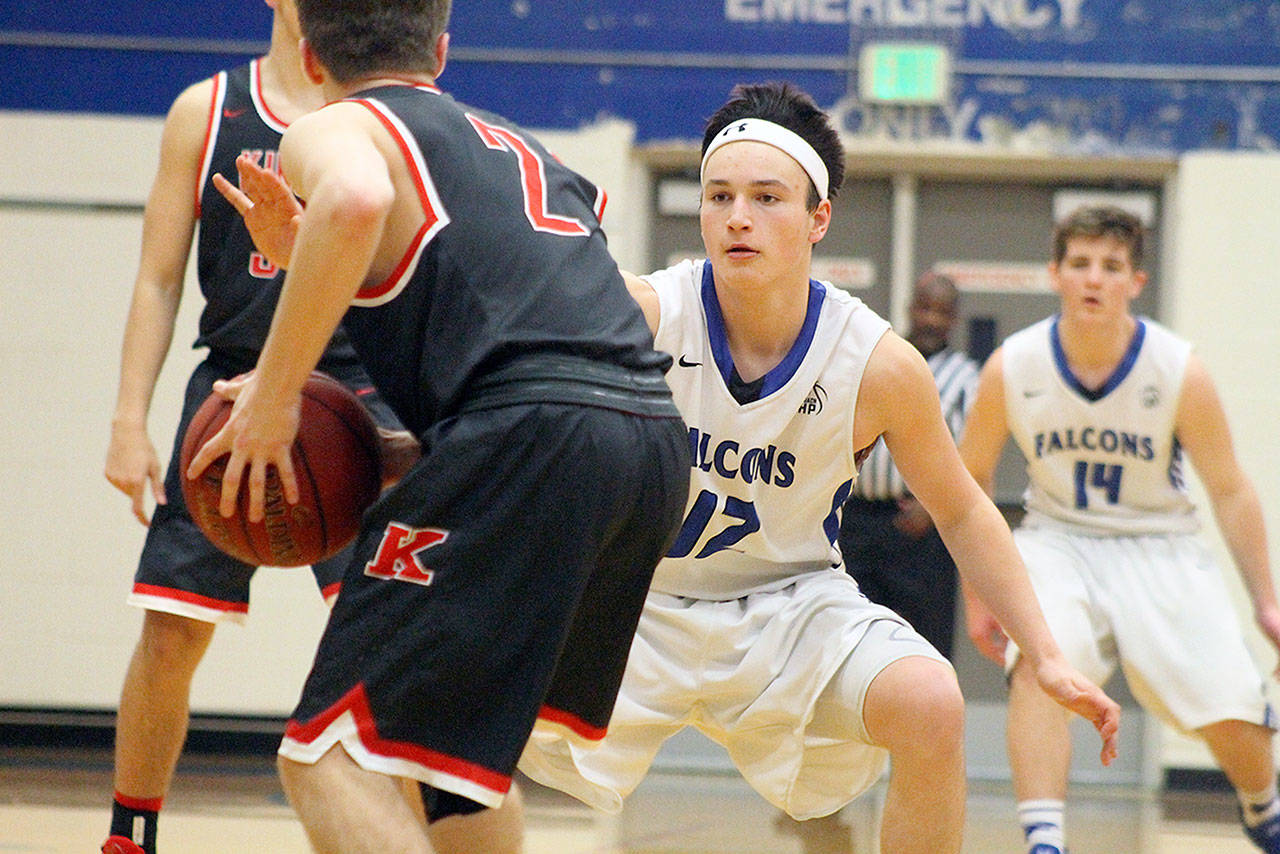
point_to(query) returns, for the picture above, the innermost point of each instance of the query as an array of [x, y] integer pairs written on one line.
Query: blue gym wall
[[1081, 76]]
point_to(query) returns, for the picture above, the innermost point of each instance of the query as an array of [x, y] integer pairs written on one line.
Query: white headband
[[787, 141]]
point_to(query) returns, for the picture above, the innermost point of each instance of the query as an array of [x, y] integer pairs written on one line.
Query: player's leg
[[1039, 743], [1243, 752], [1218, 692], [914, 709], [152, 721], [345, 808], [501, 828], [1037, 731]]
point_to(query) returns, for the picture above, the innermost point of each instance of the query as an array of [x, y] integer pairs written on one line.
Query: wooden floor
[[54, 800]]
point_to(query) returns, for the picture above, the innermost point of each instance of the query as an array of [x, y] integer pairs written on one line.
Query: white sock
[[1042, 823], [1259, 806]]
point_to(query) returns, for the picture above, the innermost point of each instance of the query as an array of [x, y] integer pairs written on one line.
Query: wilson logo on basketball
[[397, 557]]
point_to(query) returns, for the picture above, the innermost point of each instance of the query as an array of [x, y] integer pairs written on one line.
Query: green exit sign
[[904, 73]]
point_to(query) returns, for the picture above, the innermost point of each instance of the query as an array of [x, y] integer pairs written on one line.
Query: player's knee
[[293, 776], [172, 642], [916, 704]]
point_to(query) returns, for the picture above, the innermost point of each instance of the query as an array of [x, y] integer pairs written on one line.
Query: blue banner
[[1083, 76]]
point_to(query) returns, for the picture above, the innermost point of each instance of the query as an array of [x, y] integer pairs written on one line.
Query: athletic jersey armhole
[[667, 284], [210, 136]]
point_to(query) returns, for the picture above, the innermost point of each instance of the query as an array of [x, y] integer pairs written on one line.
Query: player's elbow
[[353, 204], [367, 206]]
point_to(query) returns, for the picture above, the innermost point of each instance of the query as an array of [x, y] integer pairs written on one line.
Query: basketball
[[336, 460]]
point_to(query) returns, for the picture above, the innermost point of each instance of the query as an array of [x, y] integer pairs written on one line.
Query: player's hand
[[984, 630], [1071, 690], [1268, 619], [270, 210], [132, 464], [399, 451], [258, 436]]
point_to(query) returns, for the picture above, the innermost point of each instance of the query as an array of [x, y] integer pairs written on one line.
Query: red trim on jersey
[[573, 722], [602, 199], [192, 598], [208, 135], [356, 702], [430, 217], [330, 590], [139, 804], [262, 99]]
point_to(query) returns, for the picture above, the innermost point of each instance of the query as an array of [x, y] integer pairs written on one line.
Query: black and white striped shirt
[[957, 378]]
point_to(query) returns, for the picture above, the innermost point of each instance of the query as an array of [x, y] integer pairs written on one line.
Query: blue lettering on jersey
[[1106, 440], [767, 465]]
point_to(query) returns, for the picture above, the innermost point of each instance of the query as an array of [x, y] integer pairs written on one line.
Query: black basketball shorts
[[180, 571], [499, 583]]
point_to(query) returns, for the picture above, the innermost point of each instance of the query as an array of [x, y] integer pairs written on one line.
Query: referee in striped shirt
[[889, 543]]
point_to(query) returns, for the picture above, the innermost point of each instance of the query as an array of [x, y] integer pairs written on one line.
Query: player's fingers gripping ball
[[336, 459]]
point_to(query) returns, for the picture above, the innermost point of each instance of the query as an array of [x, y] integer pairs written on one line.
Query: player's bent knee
[[915, 702]]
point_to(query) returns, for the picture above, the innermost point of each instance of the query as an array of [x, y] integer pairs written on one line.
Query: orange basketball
[[337, 462]]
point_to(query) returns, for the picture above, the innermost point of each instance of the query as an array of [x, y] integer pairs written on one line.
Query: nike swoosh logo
[[685, 363], [1032, 392], [228, 113]]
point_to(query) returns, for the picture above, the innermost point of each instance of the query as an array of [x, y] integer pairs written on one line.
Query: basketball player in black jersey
[[497, 586], [185, 584]]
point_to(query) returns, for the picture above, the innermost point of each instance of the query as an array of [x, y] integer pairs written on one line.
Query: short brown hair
[[358, 37], [1101, 221], [794, 109]]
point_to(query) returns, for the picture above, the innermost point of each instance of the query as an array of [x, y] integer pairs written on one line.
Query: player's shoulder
[[893, 363], [187, 124], [193, 103], [684, 271], [1160, 335], [1035, 333]]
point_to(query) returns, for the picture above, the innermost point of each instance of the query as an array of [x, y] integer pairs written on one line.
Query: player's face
[[1096, 278], [753, 215]]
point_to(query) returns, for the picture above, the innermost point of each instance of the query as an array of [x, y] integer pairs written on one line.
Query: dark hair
[[1101, 221], [792, 108], [357, 37]]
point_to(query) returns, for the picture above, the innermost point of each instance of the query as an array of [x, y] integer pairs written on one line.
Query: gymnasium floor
[[52, 800]]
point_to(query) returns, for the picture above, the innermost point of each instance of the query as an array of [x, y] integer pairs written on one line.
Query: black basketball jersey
[[240, 286], [510, 263]]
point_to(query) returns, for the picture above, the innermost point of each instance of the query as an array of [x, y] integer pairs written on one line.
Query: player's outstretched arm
[[899, 399], [646, 297], [981, 442]]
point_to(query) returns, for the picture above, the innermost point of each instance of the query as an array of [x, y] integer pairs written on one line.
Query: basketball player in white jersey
[[752, 632], [1102, 404]]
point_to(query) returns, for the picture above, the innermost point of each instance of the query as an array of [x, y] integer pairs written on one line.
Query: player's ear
[[820, 221], [1139, 282], [442, 53], [1055, 284], [310, 62]]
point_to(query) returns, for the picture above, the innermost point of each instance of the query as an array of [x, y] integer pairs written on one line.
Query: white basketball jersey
[[1104, 462], [770, 476]]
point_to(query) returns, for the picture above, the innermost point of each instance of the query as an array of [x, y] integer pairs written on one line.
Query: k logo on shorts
[[397, 558]]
